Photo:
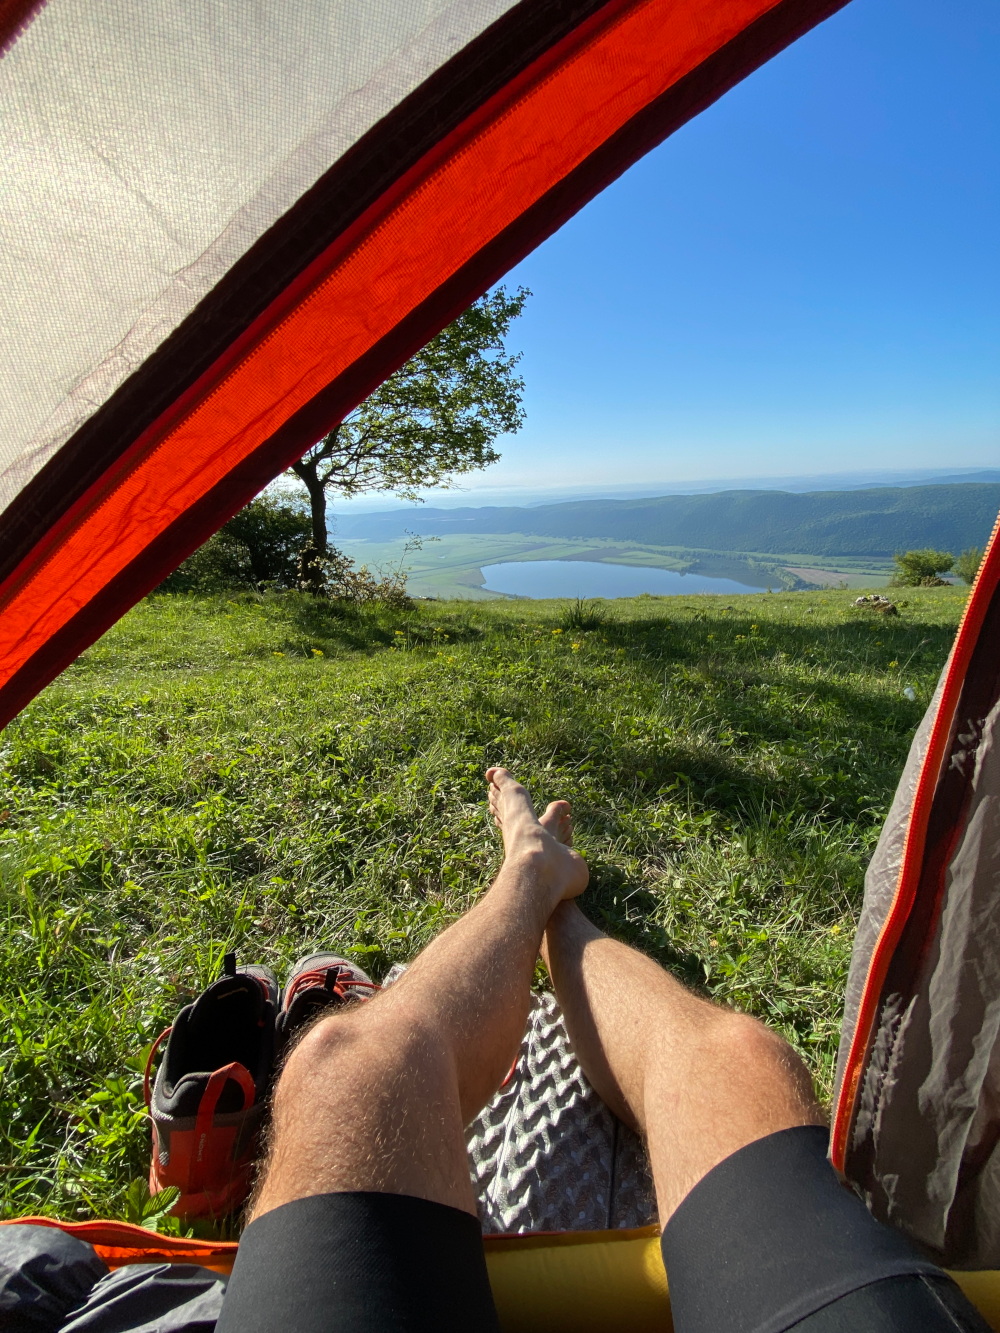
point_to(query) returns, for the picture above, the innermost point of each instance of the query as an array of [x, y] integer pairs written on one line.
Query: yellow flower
[[575, 647], [893, 664], [317, 652], [399, 631], [557, 631], [277, 654], [711, 636]]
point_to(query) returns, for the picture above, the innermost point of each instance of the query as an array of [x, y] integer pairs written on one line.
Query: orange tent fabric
[[212, 261]]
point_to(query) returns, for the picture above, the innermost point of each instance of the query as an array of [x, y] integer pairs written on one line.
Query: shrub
[[335, 575], [967, 564], [921, 569], [259, 548]]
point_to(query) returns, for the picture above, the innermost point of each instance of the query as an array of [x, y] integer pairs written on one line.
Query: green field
[[451, 566], [270, 774]]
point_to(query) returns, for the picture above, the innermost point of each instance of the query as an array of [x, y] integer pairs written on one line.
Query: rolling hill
[[873, 522]]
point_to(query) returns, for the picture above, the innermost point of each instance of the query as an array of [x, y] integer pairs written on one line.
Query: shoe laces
[[335, 980]]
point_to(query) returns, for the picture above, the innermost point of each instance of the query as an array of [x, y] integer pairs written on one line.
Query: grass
[[271, 774]]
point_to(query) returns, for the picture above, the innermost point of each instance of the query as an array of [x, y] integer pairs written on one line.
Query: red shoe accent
[[219, 1054], [344, 980], [204, 1163], [316, 984]]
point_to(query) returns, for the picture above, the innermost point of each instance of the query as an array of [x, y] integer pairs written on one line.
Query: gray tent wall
[[917, 1120]]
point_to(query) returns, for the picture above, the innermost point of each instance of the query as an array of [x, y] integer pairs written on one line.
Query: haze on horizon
[[803, 281]]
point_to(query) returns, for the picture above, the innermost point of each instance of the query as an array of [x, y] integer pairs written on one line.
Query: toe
[[557, 820]]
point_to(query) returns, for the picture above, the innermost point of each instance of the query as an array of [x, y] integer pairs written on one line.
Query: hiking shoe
[[316, 984], [208, 1101]]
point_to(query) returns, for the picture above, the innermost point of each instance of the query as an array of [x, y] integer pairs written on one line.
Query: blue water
[[587, 578]]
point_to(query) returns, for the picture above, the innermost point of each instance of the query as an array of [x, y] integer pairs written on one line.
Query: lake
[[588, 578]]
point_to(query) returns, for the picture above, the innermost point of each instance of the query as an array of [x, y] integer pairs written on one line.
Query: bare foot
[[557, 819], [546, 840]]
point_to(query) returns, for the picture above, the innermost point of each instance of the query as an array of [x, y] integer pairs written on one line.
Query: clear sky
[[804, 279]]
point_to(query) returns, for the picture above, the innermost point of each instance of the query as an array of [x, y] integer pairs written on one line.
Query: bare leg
[[697, 1081], [376, 1098]]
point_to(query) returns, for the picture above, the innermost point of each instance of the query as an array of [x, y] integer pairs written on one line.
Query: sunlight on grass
[[272, 774]]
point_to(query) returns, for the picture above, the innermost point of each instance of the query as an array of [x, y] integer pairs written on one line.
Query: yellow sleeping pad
[[558, 1282]]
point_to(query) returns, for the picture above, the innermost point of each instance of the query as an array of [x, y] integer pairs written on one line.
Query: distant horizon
[[483, 496]]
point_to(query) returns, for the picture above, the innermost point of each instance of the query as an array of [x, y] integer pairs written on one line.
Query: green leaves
[[437, 417], [915, 569], [150, 1210]]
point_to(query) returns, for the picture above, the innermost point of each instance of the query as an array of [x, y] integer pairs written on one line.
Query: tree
[[967, 564], [915, 569], [438, 416], [258, 547]]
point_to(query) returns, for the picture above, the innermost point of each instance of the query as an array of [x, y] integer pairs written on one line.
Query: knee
[[746, 1036], [362, 1049], [331, 1041], [761, 1056]]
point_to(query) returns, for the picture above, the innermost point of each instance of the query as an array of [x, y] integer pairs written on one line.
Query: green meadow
[[452, 566], [271, 774]]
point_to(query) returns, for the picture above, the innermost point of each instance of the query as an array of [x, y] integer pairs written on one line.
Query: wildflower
[[317, 652], [740, 638], [893, 665], [711, 636], [576, 647], [399, 633], [277, 654], [557, 631]]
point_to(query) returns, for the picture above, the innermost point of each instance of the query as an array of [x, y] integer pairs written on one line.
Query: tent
[[917, 1118], [224, 225]]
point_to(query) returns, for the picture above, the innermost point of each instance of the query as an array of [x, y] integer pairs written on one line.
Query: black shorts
[[768, 1241]]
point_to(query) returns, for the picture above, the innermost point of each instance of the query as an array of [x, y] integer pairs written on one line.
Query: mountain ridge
[[875, 522]]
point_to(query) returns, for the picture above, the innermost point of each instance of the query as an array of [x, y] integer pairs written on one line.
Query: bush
[[258, 548], [215, 567], [921, 569], [335, 575], [967, 564]]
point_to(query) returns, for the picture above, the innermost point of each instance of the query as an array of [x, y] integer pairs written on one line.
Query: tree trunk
[[307, 470]]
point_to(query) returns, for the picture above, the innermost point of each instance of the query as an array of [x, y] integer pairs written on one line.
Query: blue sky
[[805, 279]]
